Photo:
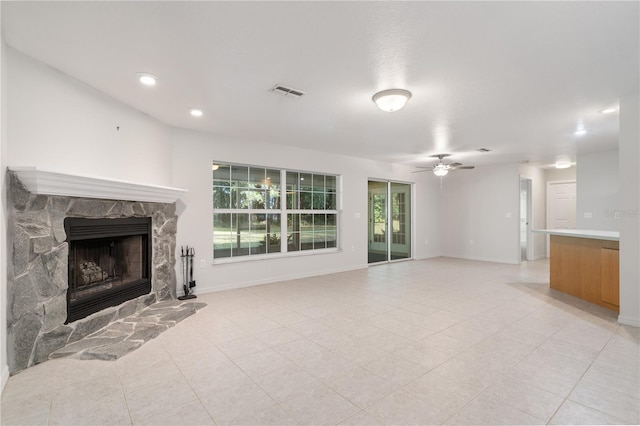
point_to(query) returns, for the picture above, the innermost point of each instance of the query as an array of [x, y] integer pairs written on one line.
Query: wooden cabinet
[[586, 268], [610, 276]]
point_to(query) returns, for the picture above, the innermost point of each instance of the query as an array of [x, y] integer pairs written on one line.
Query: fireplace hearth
[[108, 263]]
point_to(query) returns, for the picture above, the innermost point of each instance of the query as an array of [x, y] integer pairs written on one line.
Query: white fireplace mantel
[[48, 182]]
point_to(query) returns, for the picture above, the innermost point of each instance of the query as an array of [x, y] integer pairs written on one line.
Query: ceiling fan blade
[[455, 164], [420, 171], [466, 167]]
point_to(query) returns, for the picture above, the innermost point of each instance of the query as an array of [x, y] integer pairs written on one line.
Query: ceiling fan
[[441, 168]]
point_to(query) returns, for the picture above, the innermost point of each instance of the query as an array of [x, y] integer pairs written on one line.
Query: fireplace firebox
[[109, 263]]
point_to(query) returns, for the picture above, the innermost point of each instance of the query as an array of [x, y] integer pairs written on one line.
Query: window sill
[[258, 257]]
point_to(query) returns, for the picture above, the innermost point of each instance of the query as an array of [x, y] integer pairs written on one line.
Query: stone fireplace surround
[[37, 265]]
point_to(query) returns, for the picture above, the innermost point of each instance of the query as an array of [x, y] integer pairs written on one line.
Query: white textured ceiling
[[515, 77]]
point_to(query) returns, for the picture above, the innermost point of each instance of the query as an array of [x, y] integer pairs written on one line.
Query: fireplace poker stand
[[187, 255]]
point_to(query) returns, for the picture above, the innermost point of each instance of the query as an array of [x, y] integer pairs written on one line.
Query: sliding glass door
[[389, 221]]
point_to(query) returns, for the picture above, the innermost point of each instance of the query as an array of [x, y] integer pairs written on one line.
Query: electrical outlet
[[588, 215], [507, 215], [356, 215], [203, 263]]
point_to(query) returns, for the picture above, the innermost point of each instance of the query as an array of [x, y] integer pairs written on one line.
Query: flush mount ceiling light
[[562, 162], [147, 79], [608, 110], [392, 99], [580, 132], [196, 112], [441, 169]]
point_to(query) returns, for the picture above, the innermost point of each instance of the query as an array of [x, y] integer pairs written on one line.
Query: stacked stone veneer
[[37, 279]]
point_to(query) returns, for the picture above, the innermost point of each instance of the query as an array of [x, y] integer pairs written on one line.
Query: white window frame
[[283, 211]]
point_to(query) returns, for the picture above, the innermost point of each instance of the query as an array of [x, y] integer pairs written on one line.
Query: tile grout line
[[124, 395], [49, 414], [503, 374], [582, 376], [276, 403]]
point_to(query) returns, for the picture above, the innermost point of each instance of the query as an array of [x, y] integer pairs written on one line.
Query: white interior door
[[561, 206]]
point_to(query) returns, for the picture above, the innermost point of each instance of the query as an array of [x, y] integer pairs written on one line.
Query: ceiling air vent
[[287, 91], [483, 150]]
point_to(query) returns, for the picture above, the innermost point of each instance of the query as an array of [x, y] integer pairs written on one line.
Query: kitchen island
[[585, 264]]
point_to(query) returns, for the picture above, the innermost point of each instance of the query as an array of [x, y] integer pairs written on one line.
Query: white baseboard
[[634, 322], [205, 290], [5, 377], [430, 256], [482, 259]]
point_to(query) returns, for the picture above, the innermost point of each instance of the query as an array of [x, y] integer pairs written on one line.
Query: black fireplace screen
[[109, 263]]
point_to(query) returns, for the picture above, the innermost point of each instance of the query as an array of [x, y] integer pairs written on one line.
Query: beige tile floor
[[440, 341]]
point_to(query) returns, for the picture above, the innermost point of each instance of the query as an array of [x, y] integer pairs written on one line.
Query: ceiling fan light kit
[[392, 99], [440, 170]]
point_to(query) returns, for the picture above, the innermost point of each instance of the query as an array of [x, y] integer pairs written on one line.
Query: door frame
[[388, 225], [409, 193], [529, 207]]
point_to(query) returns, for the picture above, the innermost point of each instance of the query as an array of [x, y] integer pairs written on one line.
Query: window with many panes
[[262, 211]]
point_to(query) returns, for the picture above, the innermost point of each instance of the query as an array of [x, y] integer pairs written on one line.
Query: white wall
[[473, 216], [630, 211], [597, 190], [52, 121], [538, 208], [4, 368], [552, 175], [193, 153], [62, 124]]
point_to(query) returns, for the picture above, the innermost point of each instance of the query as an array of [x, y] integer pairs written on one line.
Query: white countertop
[[582, 233]]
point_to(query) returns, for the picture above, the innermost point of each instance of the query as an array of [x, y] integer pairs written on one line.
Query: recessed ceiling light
[[580, 132], [563, 164], [147, 79], [196, 112], [391, 100], [608, 110]]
